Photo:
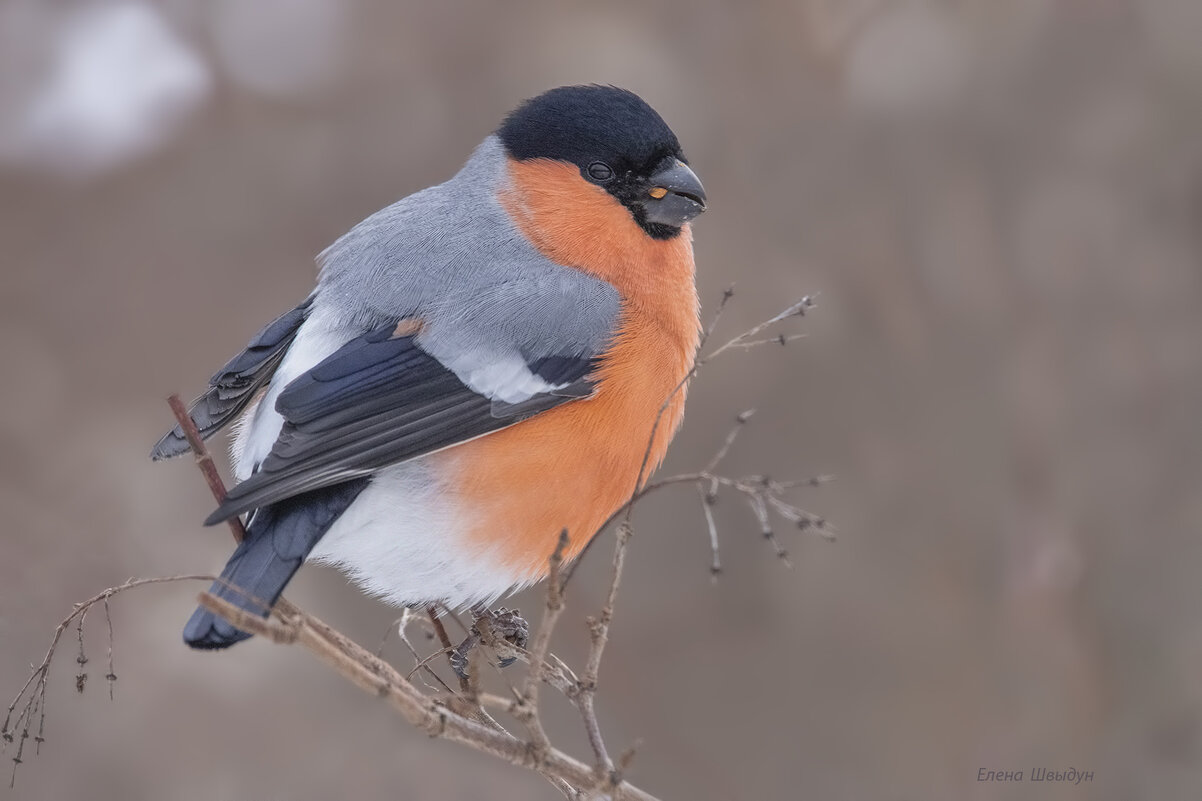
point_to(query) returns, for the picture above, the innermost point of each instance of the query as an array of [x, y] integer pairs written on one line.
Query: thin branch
[[428, 714], [111, 676], [708, 498], [34, 689], [440, 630], [400, 624], [527, 700], [759, 508], [598, 639], [447, 646], [814, 481], [423, 663], [204, 461], [709, 329], [745, 339], [779, 339], [740, 421]]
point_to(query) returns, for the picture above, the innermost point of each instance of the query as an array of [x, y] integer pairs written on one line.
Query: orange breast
[[573, 466]]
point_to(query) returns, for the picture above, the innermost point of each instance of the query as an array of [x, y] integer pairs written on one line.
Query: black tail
[[277, 541]]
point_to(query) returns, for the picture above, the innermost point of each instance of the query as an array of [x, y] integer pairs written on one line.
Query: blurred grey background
[[1000, 204]]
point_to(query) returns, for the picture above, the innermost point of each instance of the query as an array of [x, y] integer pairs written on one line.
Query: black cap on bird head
[[619, 143]]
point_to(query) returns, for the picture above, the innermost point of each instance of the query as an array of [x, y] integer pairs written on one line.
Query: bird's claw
[[505, 631]]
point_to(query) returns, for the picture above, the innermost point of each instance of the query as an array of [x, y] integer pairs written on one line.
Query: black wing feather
[[277, 541], [377, 401], [234, 386]]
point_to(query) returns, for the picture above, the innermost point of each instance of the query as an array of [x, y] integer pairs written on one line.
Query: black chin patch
[[660, 231], [654, 230]]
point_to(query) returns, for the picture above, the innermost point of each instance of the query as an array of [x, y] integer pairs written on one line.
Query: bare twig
[[111, 676], [419, 663], [759, 507], [439, 630], [33, 692], [727, 294], [708, 498], [527, 700], [428, 714], [397, 625], [742, 418], [746, 339], [447, 646], [424, 663], [204, 461], [598, 639]]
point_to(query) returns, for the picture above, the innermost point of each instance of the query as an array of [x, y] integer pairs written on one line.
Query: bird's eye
[[600, 171]]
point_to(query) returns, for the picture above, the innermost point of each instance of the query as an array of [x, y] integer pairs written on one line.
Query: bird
[[482, 365]]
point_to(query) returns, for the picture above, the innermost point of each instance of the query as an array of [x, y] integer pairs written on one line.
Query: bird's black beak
[[675, 195]]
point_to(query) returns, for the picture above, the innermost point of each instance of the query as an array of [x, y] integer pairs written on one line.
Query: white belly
[[403, 540]]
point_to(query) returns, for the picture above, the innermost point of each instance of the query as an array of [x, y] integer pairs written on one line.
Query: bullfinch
[[479, 368]]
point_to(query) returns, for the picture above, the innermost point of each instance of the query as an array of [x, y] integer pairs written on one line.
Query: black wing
[[235, 385], [377, 401]]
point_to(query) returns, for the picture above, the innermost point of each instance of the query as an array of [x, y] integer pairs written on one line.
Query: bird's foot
[[504, 631]]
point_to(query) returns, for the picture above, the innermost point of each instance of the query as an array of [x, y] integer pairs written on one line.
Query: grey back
[[451, 256]]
